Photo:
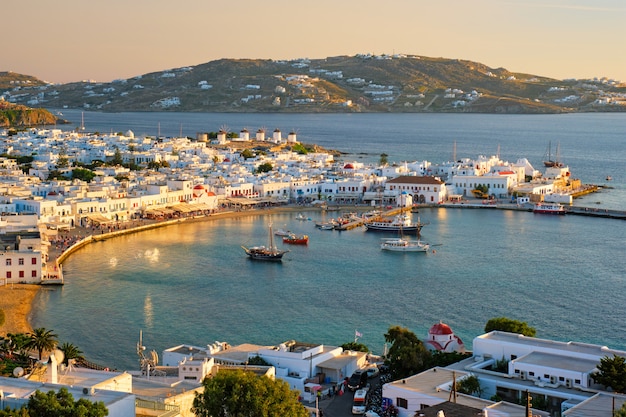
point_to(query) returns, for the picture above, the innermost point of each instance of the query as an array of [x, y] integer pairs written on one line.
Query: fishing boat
[[301, 216], [282, 232], [401, 222], [548, 208], [294, 239], [404, 245], [265, 253]]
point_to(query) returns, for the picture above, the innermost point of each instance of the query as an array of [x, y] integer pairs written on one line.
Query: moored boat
[[548, 208], [265, 253], [281, 232], [294, 239], [401, 222], [404, 245]]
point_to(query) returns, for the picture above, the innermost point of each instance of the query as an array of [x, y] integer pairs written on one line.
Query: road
[[341, 405]]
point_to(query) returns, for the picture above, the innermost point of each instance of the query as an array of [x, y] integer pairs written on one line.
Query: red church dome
[[440, 329], [348, 166]]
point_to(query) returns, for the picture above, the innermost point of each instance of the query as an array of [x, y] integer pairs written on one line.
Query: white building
[[425, 190], [507, 366]]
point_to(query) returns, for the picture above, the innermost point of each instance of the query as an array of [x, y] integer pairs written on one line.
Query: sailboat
[[265, 253], [549, 162]]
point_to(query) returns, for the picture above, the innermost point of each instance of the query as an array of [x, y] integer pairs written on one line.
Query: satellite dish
[[18, 372], [59, 356], [155, 357]]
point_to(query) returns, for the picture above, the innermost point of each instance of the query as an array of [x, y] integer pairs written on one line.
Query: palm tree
[[16, 343], [42, 340], [70, 351]]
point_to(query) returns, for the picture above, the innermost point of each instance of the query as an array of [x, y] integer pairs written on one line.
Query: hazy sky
[[73, 40]]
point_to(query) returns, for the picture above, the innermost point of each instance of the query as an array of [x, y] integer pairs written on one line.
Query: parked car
[[372, 371], [357, 380]]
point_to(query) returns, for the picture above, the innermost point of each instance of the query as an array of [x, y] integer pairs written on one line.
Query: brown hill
[[361, 83]]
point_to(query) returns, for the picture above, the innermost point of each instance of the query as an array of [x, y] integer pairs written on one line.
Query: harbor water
[[192, 283]]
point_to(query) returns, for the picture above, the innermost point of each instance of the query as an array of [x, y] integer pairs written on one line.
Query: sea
[[193, 284]]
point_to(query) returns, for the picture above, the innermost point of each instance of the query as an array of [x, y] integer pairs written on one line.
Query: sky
[[72, 40]]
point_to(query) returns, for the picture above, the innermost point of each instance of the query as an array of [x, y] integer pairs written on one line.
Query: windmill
[[260, 134]]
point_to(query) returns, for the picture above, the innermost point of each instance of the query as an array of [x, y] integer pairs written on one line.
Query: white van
[[360, 401]]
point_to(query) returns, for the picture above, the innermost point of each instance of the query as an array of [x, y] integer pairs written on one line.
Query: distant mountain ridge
[[361, 83]]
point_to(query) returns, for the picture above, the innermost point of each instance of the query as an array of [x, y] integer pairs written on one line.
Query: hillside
[[19, 116], [361, 83]]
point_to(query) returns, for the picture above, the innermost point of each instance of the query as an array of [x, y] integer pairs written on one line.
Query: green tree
[[70, 351], [154, 165], [354, 346], [265, 167], [63, 161], [407, 354], [62, 404], [383, 159], [469, 385], [244, 394], [247, 154], [444, 359], [42, 340], [612, 373], [15, 343], [509, 325], [300, 149], [117, 157], [621, 412], [55, 174], [83, 174]]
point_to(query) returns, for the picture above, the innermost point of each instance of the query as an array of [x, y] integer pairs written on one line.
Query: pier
[[574, 210], [361, 221]]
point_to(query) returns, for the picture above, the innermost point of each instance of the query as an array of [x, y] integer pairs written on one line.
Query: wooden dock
[[361, 221]]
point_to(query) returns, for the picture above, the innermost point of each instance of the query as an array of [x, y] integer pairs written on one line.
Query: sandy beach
[[16, 300]]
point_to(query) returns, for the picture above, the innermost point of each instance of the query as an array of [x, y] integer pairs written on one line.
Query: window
[[34, 261], [8, 274], [34, 274], [21, 274], [20, 261], [8, 262], [402, 403]]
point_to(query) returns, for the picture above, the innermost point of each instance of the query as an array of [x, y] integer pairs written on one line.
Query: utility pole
[[529, 404]]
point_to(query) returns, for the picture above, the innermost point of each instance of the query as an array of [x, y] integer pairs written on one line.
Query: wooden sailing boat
[[548, 161], [265, 253]]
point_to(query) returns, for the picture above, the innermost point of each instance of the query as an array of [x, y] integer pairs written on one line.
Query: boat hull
[[556, 209], [403, 245], [296, 240], [264, 254], [392, 228]]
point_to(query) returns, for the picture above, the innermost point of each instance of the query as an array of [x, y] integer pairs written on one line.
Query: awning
[[99, 218], [183, 208], [312, 387]]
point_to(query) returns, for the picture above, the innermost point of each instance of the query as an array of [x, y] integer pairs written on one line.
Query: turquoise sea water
[[192, 283]]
